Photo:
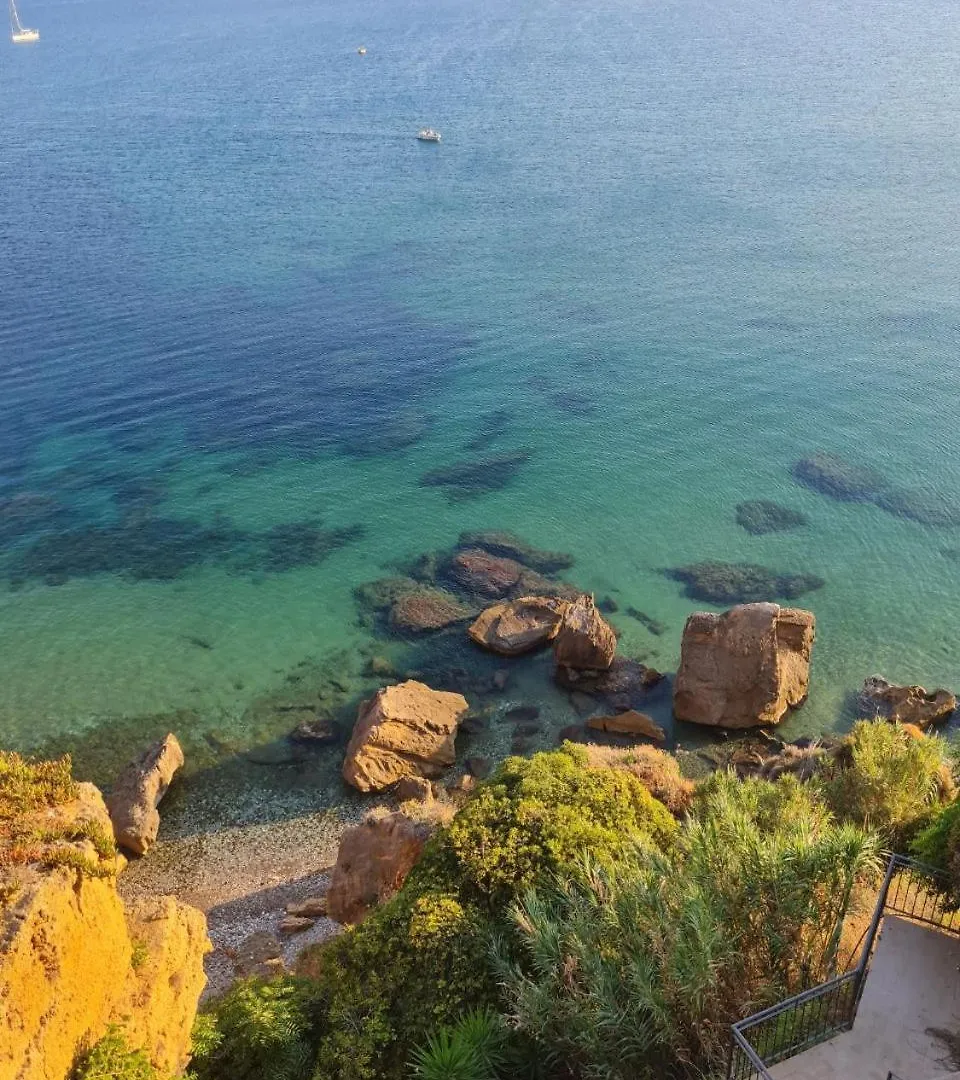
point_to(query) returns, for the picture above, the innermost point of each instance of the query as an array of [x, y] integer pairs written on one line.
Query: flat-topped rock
[[631, 722], [404, 730], [743, 668], [519, 626]]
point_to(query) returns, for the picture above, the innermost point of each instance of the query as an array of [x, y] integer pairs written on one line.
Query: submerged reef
[[161, 549], [761, 516], [740, 583], [473, 479], [831, 475]]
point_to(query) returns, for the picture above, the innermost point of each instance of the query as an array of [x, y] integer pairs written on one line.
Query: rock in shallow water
[[509, 546], [585, 640], [905, 704], [483, 574], [831, 475], [426, 609], [519, 626], [630, 722], [743, 668]]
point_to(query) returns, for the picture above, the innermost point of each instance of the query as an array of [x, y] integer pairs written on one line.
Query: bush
[[639, 968], [939, 845], [421, 961], [658, 771], [534, 817], [891, 781], [471, 1049], [112, 1059], [261, 1030]]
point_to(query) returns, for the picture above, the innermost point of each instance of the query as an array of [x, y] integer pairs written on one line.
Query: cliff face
[[74, 959]]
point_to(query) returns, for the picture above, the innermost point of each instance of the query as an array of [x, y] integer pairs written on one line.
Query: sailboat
[[20, 34]]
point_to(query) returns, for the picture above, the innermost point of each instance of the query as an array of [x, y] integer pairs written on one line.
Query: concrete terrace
[[913, 985]]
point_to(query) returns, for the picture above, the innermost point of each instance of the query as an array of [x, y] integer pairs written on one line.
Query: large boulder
[[137, 793], [518, 626], [372, 863], [905, 704], [426, 609], [404, 730], [745, 667], [75, 959], [585, 641]]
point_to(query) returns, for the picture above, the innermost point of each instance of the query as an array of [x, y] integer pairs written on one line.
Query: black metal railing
[[910, 890]]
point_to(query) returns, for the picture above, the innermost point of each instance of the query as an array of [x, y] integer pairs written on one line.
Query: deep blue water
[[666, 250]]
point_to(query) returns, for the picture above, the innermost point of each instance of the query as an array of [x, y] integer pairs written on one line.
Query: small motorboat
[[428, 135], [362, 51]]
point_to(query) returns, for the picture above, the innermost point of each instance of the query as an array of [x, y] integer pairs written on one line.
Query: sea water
[[664, 250]]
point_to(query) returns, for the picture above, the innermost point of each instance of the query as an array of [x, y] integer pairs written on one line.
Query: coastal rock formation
[[483, 574], [372, 863], [585, 640], [426, 609], [74, 959], [631, 722], [519, 626], [137, 793], [831, 475], [905, 704], [404, 730], [745, 667]]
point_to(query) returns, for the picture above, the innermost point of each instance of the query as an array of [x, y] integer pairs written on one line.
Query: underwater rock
[[518, 626], [388, 434], [493, 426], [301, 543], [382, 594], [472, 479], [520, 714], [734, 583], [426, 609], [656, 628], [607, 605], [745, 667], [624, 685], [317, 731], [926, 508], [761, 516], [482, 574], [404, 730], [905, 704], [137, 793], [509, 546], [831, 475], [630, 722], [585, 640]]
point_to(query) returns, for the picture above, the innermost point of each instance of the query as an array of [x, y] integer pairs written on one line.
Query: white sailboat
[[20, 34]]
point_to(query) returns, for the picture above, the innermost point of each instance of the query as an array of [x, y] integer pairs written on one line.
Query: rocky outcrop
[[137, 793], [518, 626], [631, 722], [74, 959], [372, 863], [626, 684], [745, 667], [585, 640], [404, 730], [905, 704]]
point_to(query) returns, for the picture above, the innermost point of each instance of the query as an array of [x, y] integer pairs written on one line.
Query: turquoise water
[[666, 250]]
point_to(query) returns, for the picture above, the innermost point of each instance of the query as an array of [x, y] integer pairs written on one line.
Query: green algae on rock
[[741, 583], [761, 516]]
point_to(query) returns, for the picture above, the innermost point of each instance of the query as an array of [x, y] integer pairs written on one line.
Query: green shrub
[[536, 816], [939, 845], [112, 1059], [259, 1030], [891, 781], [421, 961], [638, 969]]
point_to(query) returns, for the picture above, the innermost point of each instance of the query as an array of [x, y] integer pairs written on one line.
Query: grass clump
[[28, 787], [658, 771], [638, 968], [112, 1059], [892, 780]]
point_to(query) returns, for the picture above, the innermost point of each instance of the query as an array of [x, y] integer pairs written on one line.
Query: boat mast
[[15, 25]]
